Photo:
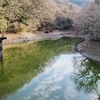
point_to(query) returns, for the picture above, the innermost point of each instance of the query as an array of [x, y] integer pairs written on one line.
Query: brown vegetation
[[30, 15], [88, 22]]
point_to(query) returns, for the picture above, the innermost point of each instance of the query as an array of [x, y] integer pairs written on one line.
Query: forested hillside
[[97, 2], [29, 15], [67, 6], [88, 21]]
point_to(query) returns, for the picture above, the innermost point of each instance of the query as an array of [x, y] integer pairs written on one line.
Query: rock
[[51, 31], [46, 31]]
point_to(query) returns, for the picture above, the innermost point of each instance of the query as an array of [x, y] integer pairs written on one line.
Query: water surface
[[48, 70]]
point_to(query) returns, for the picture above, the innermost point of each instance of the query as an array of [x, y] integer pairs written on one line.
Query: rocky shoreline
[[38, 36], [90, 49]]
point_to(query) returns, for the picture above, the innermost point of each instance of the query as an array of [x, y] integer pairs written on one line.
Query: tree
[[97, 2], [88, 22], [86, 76], [3, 24], [63, 23]]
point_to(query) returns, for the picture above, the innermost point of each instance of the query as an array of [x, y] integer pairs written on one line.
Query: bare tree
[[88, 22]]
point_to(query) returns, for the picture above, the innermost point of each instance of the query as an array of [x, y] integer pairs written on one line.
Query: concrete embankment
[[90, 50]]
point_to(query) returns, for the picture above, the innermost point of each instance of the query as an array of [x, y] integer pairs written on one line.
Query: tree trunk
[[1, 53]]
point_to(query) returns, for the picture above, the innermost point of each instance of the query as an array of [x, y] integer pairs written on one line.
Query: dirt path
[[38, 36]]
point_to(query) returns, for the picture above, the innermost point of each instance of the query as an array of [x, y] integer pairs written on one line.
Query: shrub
[[63, 23], [88, 22], [3, 23], [46, 26], [16, 27]]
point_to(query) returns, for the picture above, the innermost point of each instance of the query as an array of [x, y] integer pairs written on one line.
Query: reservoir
[[48, 70]]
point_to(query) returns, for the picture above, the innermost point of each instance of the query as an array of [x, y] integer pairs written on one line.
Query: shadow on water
[[23, 62], [2, 71], [2, 80], [86, 76]]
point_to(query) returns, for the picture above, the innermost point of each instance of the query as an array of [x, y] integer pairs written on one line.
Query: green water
[[48, 70]]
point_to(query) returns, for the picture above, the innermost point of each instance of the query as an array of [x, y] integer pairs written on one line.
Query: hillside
[[28, 15], [97, 2], [60, 7], [67, 5]]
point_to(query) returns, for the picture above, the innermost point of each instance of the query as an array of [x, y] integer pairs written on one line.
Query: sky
[[80, 2]]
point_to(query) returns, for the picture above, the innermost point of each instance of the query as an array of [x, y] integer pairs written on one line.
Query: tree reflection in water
[[23, 62], [86, 76], [2, 72], [2, 79]]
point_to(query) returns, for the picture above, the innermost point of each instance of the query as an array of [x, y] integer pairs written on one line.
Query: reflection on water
[[2, 72], [55, 83], [2, 79], [87, 76], [48, 70]]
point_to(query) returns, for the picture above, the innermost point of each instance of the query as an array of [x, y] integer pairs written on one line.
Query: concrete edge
[[40, 38], [90, 57]]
